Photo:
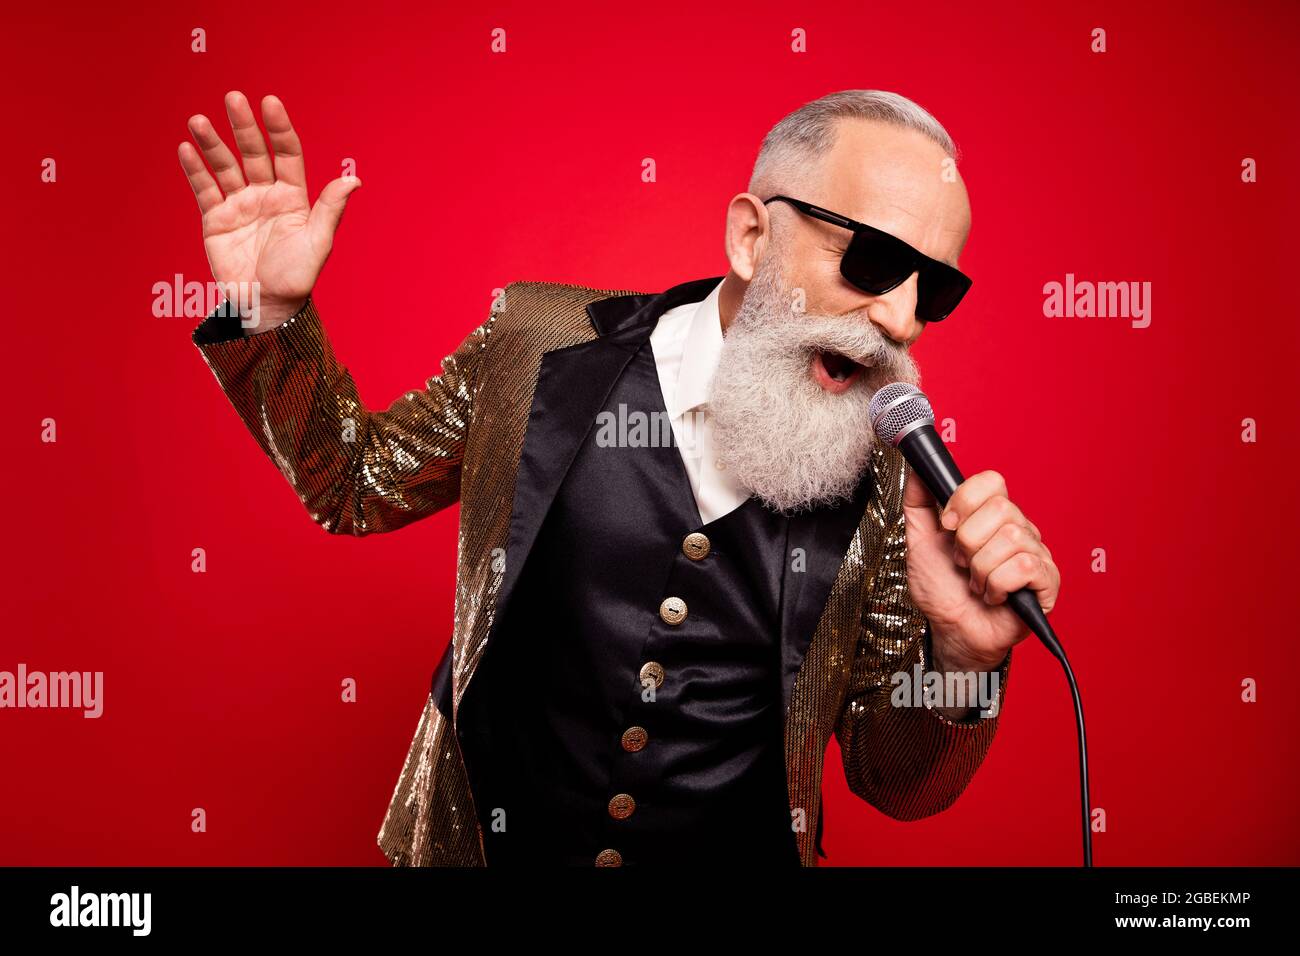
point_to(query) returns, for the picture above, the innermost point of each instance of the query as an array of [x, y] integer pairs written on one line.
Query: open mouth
[[834, 372]]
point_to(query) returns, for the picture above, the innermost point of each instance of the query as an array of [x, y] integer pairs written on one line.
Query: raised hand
[[258, 225]]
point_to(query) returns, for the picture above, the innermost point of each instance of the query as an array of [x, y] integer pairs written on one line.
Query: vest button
[[634, 739], [621, 806], [696, 546], [609, 858], [652, 672], [673, 610]]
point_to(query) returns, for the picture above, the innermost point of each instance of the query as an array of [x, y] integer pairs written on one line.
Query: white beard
[[775, 429]]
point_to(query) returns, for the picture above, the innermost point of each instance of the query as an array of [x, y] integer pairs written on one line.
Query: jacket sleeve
[[357, 471], [907, 761]]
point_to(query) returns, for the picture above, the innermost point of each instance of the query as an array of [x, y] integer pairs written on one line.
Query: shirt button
[[672, 610], [609, 858], [634, 739], [696, 546], [652, 672], [719, 464], [621, 806]]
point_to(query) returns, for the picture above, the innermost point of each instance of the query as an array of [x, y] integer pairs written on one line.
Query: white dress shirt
[[687, 343]]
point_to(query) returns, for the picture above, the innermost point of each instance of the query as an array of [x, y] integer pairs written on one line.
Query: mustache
[[856, 338]]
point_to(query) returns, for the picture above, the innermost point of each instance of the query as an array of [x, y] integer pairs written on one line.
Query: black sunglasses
[[877, 262]]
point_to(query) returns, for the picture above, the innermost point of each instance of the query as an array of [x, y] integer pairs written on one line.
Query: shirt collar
[[700, 353]]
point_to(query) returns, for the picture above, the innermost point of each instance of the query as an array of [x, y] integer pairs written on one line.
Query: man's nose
[[894, 313]]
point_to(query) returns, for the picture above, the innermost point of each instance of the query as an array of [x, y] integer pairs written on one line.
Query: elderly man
[[684, 559]]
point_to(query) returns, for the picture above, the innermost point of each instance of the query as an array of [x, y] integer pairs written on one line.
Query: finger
[[219, 157], [325, 215], [1039, 535], [1006, 543], [201, 181], [252, 147], [919, 504], [289, 165], [1023, 570], [963, 560], [970, 494], [979, 528], [915, 494]]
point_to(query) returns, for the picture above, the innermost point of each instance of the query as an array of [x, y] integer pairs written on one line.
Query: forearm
[[356, 471], [905, 758]]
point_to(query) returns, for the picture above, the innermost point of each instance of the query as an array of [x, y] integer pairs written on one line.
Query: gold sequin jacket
[[461, 438]]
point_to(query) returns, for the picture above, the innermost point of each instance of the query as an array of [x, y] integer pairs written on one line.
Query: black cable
[[1083, 762], [1050, 641]]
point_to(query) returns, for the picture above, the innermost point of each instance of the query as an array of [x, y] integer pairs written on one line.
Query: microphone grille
[[896, 409]]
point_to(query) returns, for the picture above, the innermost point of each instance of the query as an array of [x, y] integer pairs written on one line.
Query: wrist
[[963, 681], [270, 315], [949, 657]]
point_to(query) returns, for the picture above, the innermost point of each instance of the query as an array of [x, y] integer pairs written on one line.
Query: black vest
[[630, 699]]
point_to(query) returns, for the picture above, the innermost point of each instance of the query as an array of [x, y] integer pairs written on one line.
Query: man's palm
[[260, 234], [258, 224]]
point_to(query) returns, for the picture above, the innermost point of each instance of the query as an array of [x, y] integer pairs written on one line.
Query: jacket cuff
[[296, 347], [226, 325], [925, 655]]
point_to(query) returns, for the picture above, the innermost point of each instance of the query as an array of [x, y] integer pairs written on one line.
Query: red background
[[222, 689]]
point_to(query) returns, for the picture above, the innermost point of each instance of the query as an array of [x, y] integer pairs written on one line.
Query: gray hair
[[794, 147]]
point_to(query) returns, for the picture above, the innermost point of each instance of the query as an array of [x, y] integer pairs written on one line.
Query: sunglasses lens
[[939, 291], [876, 263]]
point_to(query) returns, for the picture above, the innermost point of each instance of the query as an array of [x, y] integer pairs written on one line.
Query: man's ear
[[747, 234]]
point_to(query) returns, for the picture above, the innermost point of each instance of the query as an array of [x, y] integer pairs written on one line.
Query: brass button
[[696, 546], [609, 858], [634, 739], [652, 672], [621, 806], [673, 610]]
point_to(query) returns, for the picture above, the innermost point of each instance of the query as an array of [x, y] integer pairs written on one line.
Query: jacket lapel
[[823, 535], [572, 386]]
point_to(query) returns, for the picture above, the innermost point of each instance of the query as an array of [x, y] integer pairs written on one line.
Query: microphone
[[901, 416]]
